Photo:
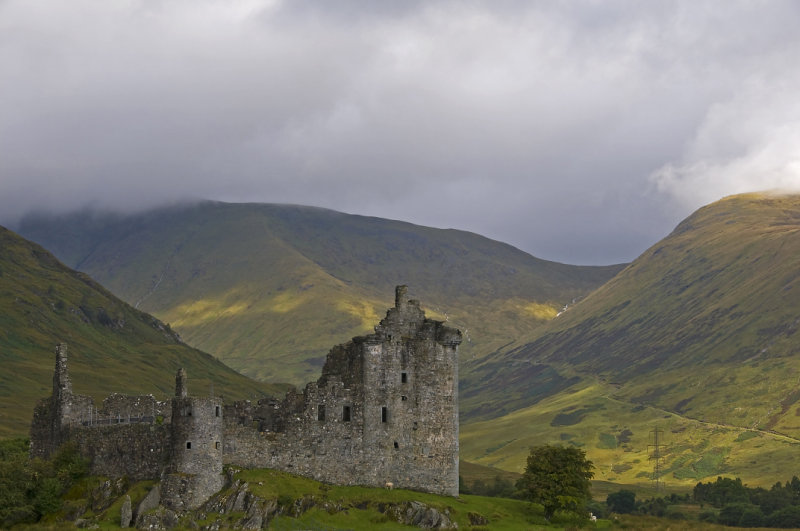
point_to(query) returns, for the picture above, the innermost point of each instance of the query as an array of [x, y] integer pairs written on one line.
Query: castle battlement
[[385, 410]]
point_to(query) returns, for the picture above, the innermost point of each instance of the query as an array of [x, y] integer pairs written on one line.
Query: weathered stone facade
[[385, 410]]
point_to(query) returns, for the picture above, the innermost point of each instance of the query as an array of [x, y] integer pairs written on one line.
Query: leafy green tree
[[30, 488], [751, 517], [557, 478], [731, 514], [621, 502], [785, 518], [723, 492]]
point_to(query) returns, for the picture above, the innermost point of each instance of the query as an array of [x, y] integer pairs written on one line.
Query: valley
[[696, 338], [268, 289]]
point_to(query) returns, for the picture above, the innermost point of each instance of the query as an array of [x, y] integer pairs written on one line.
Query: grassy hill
[[697, 337], [270, 288], [112, 347]]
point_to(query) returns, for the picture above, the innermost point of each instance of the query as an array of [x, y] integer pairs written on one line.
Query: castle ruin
[[385, 410]]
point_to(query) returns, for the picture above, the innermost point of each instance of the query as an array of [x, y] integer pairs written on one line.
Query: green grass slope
[[270, 288], [112, 347], [697, 337], [300, 503]]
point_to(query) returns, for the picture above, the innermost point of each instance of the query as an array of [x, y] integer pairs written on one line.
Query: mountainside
[[697, 336], [270, 288], [112, 347]]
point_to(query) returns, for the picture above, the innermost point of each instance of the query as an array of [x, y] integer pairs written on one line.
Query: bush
[[752, 517], [599, 509], [707, 516], [732, 514], [621, 502], [787, 517], [32, 488], [673, 513]]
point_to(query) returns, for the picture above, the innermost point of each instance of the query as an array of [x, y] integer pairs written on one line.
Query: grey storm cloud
[[578, 131]]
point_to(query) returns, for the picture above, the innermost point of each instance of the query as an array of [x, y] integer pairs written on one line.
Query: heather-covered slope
[[112, 347], [270, 288]]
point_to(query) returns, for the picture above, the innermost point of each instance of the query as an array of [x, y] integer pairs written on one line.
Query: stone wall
[[138, 451], [144, 408], [385, 410]]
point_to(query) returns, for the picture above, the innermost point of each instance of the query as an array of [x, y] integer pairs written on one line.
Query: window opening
[[404, 377], [396, 446], [216, 445], [217, 411], [188, 445], [403, 398], [321, 412], [384, 414], [346, 414]]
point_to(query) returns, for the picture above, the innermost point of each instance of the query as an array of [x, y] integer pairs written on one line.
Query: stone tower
[[195, 466], [53, 416], [411, 398]]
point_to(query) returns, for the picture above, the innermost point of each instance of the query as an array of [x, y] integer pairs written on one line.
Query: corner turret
[[195, 468]]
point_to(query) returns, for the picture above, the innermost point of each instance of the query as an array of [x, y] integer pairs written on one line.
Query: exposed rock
[[160, 518], [477, 519], [103, 495], [239, 500], [126, 513], [149, 503], [418, 514]]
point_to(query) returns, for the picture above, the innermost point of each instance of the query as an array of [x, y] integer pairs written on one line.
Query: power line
[[656, 455]]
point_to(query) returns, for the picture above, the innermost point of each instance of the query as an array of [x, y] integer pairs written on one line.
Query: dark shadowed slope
[[112, 347]]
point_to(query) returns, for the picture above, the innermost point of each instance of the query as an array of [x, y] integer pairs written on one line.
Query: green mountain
[[112, 347], [270, 288], [696, 339]]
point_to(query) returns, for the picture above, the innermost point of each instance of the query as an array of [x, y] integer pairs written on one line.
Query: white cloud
[[749, 143]]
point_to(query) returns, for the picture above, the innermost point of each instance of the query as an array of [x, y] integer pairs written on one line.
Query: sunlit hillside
[[697, 337], [270, 288]]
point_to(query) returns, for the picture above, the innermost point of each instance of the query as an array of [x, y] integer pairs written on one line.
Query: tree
[[621, 502], [557, 478]]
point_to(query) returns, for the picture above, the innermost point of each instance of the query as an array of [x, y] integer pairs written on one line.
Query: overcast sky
[[578, 131]]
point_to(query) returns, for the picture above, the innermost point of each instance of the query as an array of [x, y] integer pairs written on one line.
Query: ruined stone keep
[[385, 410]]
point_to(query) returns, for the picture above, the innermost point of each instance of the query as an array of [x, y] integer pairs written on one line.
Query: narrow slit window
[[384, 414], [216, 445], [188, 445], [346, 414], [216, 411], [404, 377], [321, 412], [396, 446]]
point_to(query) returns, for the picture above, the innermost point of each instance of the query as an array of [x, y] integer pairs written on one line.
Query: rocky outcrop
[[420, 515], [256, 512], [126, 512]]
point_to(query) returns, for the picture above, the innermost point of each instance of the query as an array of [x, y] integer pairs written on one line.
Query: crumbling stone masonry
[[385, 410]]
